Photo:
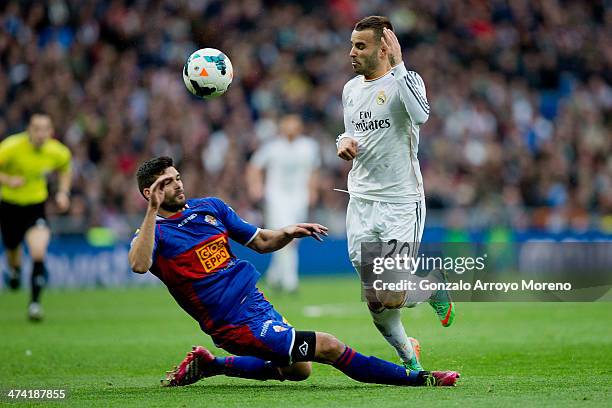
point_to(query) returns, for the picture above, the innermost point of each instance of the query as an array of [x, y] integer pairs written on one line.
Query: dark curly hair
[[150, 170]]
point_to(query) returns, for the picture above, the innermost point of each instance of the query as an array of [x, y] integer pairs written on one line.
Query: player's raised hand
[[394, 50], [347, 148], [308, 230], [157, 192]]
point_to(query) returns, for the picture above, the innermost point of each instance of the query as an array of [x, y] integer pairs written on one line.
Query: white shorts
[[375, 221]]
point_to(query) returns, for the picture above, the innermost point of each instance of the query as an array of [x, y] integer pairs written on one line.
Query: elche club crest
[[210, 219]]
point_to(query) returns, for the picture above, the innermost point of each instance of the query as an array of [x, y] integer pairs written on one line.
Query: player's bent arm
[[272, 240], [65, 181], [347, 147], [62, 196], [141, 252], [412, 93]]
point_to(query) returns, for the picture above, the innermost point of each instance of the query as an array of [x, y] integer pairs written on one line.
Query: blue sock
[[374, 370], [248, 367]]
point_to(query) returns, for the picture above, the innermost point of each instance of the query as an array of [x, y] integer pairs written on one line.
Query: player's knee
[[298, 371], [37, 240], [393, 304], [329, 348], [392, 300], [38, 251]]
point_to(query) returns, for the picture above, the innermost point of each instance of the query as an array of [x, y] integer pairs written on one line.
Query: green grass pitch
[[111, 347]]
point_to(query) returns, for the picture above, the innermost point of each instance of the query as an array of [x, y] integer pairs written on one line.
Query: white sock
[[389, 323], [418, 295]]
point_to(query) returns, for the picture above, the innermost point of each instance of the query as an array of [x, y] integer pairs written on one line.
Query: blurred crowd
[[520, 130]]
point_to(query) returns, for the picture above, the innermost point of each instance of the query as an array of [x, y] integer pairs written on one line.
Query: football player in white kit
[[384, 107], [289, 164]]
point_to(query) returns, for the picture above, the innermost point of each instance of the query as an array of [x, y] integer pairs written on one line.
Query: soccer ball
[[208, 73]]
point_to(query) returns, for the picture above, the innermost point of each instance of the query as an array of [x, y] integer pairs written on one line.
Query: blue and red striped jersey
[[193, 258]]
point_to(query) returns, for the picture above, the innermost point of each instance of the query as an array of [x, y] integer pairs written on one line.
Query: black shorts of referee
[[15, 220]]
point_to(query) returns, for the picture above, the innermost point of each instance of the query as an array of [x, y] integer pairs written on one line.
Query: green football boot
[[415, 363], [444, 307]]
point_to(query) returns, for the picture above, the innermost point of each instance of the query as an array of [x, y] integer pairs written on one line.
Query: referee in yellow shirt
[[25, 160]]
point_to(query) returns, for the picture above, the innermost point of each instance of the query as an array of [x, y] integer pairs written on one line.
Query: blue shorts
[[259, 331]]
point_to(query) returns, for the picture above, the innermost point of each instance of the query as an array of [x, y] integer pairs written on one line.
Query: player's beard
[[173, 205], [368, 65]]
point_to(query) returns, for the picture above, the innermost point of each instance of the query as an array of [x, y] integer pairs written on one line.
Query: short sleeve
[[63, 158], [239, 230], [6, 151]]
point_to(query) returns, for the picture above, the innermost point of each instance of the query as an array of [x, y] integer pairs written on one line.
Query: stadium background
[[518, 142]]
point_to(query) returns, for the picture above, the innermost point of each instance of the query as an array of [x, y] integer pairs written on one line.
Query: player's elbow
[[138, 268], [262, 242], [137, 265], [262, 248]]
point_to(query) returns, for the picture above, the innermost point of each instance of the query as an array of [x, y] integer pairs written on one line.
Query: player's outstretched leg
[[309, 346], [369, 369], [201, 363], [389, 324]]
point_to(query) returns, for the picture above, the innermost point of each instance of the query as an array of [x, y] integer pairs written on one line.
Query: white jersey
[[384, 116], [288, 166]]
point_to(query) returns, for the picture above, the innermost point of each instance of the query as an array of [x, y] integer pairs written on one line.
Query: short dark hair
[[38, 112], [376, 23], [150, 170]]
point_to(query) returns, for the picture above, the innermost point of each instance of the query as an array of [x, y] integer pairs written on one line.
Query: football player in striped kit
[[384, 107]]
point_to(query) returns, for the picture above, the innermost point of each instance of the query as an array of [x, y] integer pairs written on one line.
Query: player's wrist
[[340, 138], [395, 60], [288, 232], [152, 209]]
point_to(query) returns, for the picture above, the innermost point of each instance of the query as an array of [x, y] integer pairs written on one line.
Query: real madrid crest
[[381, 98], [210, 219]]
